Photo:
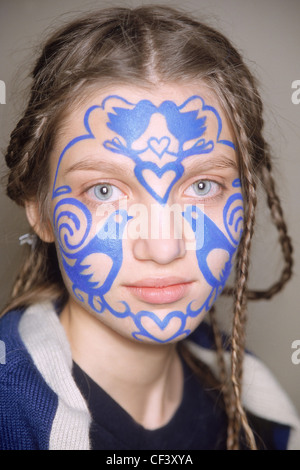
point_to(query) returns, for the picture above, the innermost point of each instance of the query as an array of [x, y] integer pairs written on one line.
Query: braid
[[284, 239], [244, 108], [239, 319], [238, 329], [21, 159], [26, 158], [274, 204], [248, 160], [223, 374]]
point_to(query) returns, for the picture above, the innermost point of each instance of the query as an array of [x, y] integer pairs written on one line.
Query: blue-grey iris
[[202, 187], [103, 191]]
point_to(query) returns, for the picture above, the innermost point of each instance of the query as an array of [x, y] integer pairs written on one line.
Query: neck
[[145, 379]]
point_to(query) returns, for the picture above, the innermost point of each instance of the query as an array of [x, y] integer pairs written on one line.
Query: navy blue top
[[28, 407], [200, 422], [197, 424]]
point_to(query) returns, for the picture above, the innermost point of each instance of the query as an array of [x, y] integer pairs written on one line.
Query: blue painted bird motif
[[108, 242], [213, 238]]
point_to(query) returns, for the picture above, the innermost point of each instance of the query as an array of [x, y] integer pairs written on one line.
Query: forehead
[[169, 116]]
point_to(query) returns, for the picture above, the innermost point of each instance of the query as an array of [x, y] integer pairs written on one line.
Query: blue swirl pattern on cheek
[[73, 221], [64, 229], [233, 215]]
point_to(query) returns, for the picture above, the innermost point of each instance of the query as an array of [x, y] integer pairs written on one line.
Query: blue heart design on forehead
[[159, 146], [170, 168], [130, 121]]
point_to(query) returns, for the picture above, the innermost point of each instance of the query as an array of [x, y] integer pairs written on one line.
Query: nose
[[159, 251], [163, 242]]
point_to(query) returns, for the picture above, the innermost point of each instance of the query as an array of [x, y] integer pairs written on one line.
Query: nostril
[[158, 250]]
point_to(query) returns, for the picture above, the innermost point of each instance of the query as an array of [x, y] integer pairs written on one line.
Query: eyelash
[[93, 199], [217, 191]]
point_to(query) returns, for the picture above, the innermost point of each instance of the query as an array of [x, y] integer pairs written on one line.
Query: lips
[[160, 291]]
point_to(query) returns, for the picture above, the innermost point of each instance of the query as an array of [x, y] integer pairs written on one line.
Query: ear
[[42, 229]]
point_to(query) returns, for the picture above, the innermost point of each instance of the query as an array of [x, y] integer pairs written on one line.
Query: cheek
[[96, 267], [216, 261], [72, 224], [90, 250], [214, 248]]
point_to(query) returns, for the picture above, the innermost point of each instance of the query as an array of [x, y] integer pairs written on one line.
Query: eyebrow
[[101, 165], [203, 164], [196, 164]]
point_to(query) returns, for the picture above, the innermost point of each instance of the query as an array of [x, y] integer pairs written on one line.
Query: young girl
[[137, 161]]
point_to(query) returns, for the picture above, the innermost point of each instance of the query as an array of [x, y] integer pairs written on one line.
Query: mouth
[[160, 291]]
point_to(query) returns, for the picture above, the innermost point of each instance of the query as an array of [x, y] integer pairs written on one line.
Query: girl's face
[[147, 209]]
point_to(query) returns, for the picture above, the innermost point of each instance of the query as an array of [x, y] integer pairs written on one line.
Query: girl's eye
[[106, 192], [203, 188]]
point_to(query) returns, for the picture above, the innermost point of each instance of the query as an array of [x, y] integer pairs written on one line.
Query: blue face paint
[[107, 241], [73, 221], [214, 238], [129, 124]]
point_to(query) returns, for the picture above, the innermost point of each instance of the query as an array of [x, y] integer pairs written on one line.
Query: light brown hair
[[140, 47]]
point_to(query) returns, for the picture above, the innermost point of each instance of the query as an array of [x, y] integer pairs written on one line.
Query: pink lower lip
[[160, 295]]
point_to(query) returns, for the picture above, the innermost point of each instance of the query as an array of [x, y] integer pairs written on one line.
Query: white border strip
[[46, 342]]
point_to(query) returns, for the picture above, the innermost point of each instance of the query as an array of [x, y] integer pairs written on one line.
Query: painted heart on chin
[[162, 331], [149, 174]]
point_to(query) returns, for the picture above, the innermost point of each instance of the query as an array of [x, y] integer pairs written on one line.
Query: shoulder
[[270, 410], [13, 351], [27, 403], [41, 394]]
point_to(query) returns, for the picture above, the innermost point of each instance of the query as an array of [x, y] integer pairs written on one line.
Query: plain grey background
[[267, 32]]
